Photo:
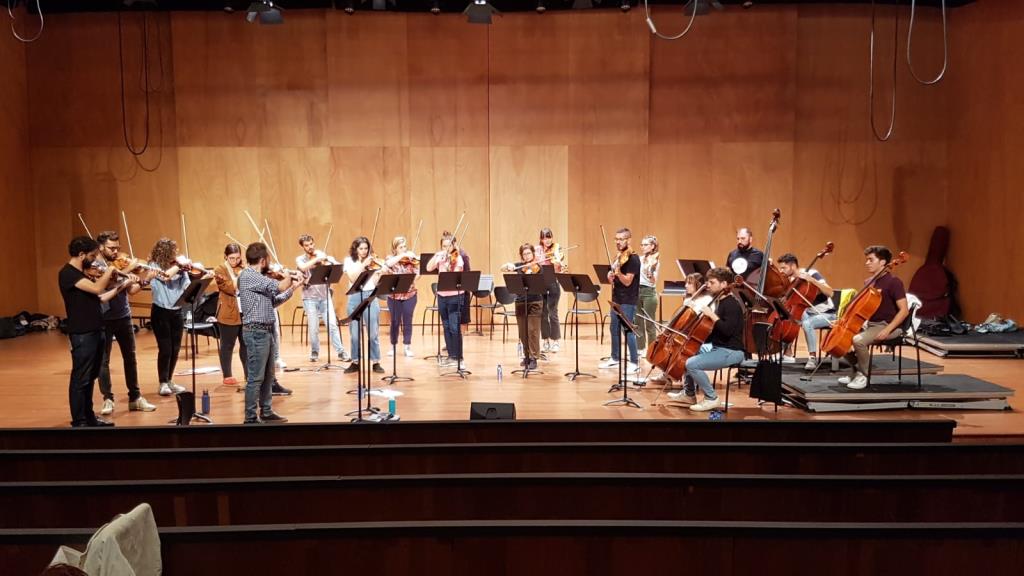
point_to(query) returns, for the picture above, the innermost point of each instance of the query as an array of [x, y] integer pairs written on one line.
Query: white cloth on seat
[[127, 546]]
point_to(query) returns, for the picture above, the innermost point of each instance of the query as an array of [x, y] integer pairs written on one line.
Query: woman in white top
[[359, 259], [650, 265]]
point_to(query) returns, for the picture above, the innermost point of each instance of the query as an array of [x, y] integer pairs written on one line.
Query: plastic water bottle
[[188, 316], [499, 373], [519, 350], [206, 402], [392, 405], [716, 415]]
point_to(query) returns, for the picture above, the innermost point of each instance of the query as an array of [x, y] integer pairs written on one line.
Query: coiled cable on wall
[[42, 23], [945, 46], [871, 81], [654, 29]]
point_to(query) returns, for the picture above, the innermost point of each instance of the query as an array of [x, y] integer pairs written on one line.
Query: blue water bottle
[[392, 405], [206, 402], [499, 373]]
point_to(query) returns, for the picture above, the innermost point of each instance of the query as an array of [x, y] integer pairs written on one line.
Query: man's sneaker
[[789, 359], [273, 417], [554, 346], [165, 389], [859, 382], [352, 368], [344, 356], [812, 364], [108, 407], [314, 356], [448, 361], [175, 388], [844, 380], [278, 390], [378, 368], [532, 364], [281, 365], [682, 396], [705, 405], [547, 346], [632, 368], [141, 405], [609, 363], [231, 381], [408, 351]]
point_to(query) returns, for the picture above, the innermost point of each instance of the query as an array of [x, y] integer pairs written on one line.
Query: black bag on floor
[[186, 407], [767, 382]]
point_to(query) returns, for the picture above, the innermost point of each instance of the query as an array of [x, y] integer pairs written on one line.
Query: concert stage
[[940, 391]]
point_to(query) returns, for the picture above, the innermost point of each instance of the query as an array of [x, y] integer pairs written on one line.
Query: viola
[[864, 305], [797, 299]]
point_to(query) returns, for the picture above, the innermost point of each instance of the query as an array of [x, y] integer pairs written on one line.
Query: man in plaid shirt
[[258, 296]]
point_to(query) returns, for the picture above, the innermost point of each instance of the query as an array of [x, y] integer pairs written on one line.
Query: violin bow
[[328, 239], [373, 234], [416, 240], [127, 235], [270, 237], [82, 220], [607, 252], [184, 235]]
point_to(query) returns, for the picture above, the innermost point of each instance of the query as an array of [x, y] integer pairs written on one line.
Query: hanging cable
[[654, 30], [945, 46], [871, 81], [42, 23], [124, 108]]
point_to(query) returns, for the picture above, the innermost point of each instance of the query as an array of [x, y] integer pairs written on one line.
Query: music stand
[[688, 267], [357, 287], [626, 327], [425, 258], [364, 353], [602, 271], [460, 282], [327, 275], [395, 284], [577, 284], [526, 285], [190, 298]]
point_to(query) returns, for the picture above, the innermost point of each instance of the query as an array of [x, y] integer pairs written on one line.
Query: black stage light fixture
[[701, 6], [625, 6], [350, 7], [435, 8], [582, 4], [479, 12], [541, 8], [265, 12]]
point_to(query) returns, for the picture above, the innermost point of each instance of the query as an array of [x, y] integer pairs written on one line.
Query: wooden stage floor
[[34, 373]]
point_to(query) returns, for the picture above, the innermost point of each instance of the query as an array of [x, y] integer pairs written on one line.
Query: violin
[[624, 257], [279, 272], [864, 305], [531, 267], [126, 263], [328, 259], [187, 265]]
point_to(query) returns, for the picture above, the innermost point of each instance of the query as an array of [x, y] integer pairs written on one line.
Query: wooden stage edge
[[34, 374]]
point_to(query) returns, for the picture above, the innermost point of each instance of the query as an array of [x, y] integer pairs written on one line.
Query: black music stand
[[577, 284], [395, 284], [526, 285], [425, 259], [458, 281], [602, 271], [364, 354], [626, 327], [190, 298], [327, 275], [688, 267], [357, 287]]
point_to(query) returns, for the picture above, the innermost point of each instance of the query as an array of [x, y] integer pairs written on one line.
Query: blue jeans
[[630, 311], [374, 324], [260, 346], [711, 360], [86, 357], [315, 311], [811, 322], [451, 313]]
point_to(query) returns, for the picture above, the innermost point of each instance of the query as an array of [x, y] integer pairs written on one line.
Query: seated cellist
[[821, 315], [884, 323], [694, 281], [724, 347]]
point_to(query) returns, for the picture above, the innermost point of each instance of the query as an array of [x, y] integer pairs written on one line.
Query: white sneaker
[[408, 351], [391, 352], [108, 407], [681, 396], [812, 363], [554, 346], [141, 405], [789, 359], [632, 368], [165, 389], [844, 380], [281, 365], [859, 382], [546, 346], [175, 388], [609, 363], [344, 357], [706, 405]]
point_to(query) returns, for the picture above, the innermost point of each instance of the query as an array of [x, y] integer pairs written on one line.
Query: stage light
[[582, 4], [265, 12], [541, 8], [479, 12], [625, 6], [350, 7], [435, 8]]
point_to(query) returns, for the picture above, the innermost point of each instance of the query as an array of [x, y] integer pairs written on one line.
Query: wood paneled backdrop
[[567, 120]]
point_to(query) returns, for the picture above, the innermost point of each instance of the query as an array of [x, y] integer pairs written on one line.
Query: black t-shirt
[[892, 291], [728, 331], [82, 308], [753, 256], [622, 294]]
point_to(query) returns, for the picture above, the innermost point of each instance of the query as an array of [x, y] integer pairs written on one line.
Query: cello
[[687, 344], [860, 309], [797, 299], [660, 350]]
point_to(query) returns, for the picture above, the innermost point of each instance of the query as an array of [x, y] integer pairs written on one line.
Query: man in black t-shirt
[[724, 347], [625, 279], [752, 258], [85, 326]]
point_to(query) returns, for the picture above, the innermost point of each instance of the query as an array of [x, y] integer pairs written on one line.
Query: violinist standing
[[258, 295], [229, 319], [724, 347], [625, 292], [528, 308], [402, 305], [165, 315], [317, 302], [551, 254], [117, 324], [650, 266], [449, 302], [821, 315], [359, 259]]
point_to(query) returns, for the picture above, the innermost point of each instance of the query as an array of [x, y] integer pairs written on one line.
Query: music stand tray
[[602, 271], [688, 267]]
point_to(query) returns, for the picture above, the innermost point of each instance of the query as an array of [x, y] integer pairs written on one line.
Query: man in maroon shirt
[[886, 321]]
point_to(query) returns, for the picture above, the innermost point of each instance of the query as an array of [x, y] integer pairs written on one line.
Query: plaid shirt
[[259, 296]]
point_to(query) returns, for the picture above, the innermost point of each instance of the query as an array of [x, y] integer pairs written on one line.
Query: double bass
[[798, 298], [772, 284], [860, 309]]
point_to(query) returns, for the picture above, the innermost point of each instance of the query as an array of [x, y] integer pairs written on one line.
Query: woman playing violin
[[168, 324], [528, 308], [724, 347], [402, 305], [650, 266], [625, 292], [229, 319], [449, 302], [360, 258], [550, 253]]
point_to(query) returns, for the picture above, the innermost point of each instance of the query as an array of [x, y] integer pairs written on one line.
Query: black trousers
[[86, 357], [121, 330], [228, 335], [168, 326]]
